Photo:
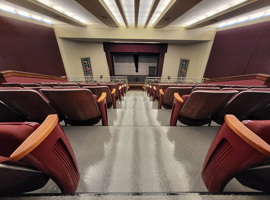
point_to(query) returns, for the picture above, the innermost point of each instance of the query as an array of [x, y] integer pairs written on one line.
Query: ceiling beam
[[154, 7], [46, 10], [237, 10], [121, 10], [96, 8], [136, 14], [179, 8]]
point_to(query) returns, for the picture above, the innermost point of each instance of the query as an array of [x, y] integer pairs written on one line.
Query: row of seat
[[154, 89], [74, 106], [30, 155], [203, 106], [118, 86]]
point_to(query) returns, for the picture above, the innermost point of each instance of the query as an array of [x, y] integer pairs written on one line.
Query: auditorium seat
[[78, 106], [239, 150], [112, 86], [110, 95], [238, 89], [166, 98], [37, 88], [163, 87], [49, 84], [262, 114], [30, 154], [29, 103], [243, 104], [87, 84], [206, 88], [12, 85], [197, 108], [30, 85], [9, 115], [68, 84]]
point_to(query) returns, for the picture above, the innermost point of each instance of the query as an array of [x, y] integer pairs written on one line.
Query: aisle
[[138, 152]]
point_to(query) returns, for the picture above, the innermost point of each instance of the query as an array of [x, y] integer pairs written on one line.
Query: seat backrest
[[29, 103], [9, 115], [74, 104], [202, 104], [112, 86], [98, 90], [87, 84], [238, 89], [12, 84], [30, 85], [169, 94], [68, 84], [163, 87], [66, 87], [49, 84], [244, 104], [206, 88]]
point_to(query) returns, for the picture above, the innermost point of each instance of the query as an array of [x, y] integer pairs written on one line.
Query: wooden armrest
[[161, 91], [150, 86], [113, 91], [155, 88], [178, 98], [102, 97], [35, 138], [247, 135]]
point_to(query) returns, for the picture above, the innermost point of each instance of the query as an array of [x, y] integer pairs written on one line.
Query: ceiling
[[138, 13]]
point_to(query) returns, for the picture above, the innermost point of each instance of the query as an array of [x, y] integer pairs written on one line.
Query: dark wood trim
[[261, 77], [10, 73]]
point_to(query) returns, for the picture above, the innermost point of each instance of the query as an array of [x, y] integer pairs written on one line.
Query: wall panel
[[33, 47], [232, 51]]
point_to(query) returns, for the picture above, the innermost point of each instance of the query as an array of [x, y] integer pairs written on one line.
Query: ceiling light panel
[[163, 4], [145, 7], [58, 8], [22, 12], [129, 10], [111, 5], [216, 11], [247, 17]]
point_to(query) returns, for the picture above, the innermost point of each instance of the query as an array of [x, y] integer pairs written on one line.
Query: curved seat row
[[74, 106], [154, 89], [203, 106]]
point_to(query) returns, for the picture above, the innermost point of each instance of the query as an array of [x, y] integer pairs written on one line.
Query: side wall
[[197, 54], [73, 51], [29, 47], [239, 51]]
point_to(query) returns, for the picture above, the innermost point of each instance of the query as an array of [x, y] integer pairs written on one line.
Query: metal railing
[[98, 79], [179, 80]]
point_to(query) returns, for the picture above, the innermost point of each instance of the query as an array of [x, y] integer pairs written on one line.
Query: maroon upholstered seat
[[243, 105], [49, 84], [12, 84], [9, 115], [166, 98], [78, 106], [30, 154], [68, 84], [206, 88], [30, 85], [163, 87], [235, 151], [98, 90], [112, 86], [29, 103], [87, 84], [198, 108], [237, 88]]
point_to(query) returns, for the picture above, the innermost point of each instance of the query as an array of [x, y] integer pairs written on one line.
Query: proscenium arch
[[110, 48]]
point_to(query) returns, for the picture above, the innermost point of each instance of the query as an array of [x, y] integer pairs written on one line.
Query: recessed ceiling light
[[112, 7], [145, 7], [7, 9], [129, 10], [162, 6], [22, 13]]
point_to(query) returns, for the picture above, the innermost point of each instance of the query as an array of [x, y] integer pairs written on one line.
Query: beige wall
[[73, 51], [197, 53]]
